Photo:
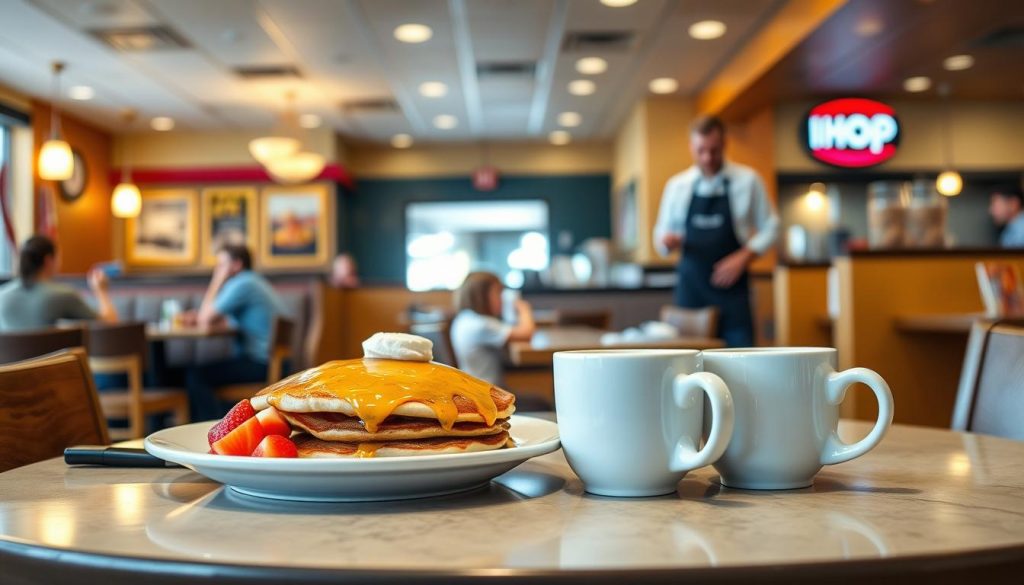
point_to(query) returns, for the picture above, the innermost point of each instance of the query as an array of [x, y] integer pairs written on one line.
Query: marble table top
[[923, 495]]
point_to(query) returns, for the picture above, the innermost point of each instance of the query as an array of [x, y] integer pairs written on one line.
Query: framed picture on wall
[[296, 226], [166, 231], [229, 217]]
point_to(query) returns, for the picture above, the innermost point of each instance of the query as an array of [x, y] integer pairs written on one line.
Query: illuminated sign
[[851, 132]]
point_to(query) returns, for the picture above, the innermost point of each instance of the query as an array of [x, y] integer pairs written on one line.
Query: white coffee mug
[[630, 420], [787, 413]]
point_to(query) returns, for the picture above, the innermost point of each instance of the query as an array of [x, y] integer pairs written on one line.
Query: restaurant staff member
[[718, 214], [1006, 206]]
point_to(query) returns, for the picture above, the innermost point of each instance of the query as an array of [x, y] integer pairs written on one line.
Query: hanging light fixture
[[55, 160], [126, 200], [282, 155], [283, 142], [949, 182]]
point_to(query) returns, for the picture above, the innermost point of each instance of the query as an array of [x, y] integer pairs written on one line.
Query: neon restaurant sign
[[851, 133]]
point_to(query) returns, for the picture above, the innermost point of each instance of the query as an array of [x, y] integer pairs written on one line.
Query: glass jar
[[887, 204], [925, 221]]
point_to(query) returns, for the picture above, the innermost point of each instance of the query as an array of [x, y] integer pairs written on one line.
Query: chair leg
[[136, 413]]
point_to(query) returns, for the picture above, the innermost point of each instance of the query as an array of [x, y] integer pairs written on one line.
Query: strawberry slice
[[276, 446], [273, 423], [242, 440], [238, 414]]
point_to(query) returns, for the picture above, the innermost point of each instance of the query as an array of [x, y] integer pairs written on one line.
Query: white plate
[[353, 480]]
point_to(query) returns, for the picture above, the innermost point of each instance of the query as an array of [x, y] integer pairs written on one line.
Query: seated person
[[343, 272], [34, 301], [1006, 206], [247, 299], [478, 335]]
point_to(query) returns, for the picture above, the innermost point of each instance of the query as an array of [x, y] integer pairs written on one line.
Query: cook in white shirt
[[719, 215]]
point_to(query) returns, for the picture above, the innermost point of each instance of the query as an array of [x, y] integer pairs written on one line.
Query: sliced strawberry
[[238, 414], [273, 423], [276, 446], [242, 440]]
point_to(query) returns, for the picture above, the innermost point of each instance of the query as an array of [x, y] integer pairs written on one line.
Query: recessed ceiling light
[[401, 141], [445, 122], [591, 65], [917, 84], [706, 30], [433, 89], [310, 121], [413, 33], [570, 119], [958, 62], [81, 93], [560, 137], [162, 124], [869, 27], [618, 3], [663, 85], [582, 87]]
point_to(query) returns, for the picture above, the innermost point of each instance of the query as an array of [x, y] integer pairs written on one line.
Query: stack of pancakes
[[373, 407]]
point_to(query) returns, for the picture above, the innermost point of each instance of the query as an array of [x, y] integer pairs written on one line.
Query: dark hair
[[1010, 191], [705, 125], [475, 292], [33, 255], [238, 252]]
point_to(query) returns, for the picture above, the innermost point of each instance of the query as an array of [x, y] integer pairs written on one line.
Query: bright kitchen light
[[958, 62], [663, 85], [445, 122], [162, 124], [310, 121], [591, 65], [413, 33], [569, 119], [560, 137], [81, 93], [401, 141], [618, 3], [433, 89], [917, 84], [707, 30], [582, 87]]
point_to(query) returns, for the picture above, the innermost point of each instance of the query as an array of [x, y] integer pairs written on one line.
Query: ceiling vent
[[370, 106], [1006, 37], [267, 71], [136, 39], [505, 69], [612, 41]]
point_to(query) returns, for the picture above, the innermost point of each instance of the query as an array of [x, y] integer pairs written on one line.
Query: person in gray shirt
[[1006, 206], [34, 301]]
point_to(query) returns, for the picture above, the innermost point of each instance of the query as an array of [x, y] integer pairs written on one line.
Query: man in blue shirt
[[1006, 207], [238, 294]]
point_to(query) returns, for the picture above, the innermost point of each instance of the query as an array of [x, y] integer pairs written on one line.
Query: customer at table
[[34, 301], [344, 273], [718, 215], [479, 336], [246, 299], [1006, 206]]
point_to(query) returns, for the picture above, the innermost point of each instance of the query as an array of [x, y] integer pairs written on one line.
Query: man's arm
[[668, 234], [208, 314], [99, 285], [729, 269]]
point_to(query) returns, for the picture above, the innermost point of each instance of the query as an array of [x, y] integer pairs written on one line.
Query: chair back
[[47, 404], [22, 345], [701, 322], [990, 399], [117, 340], [598, 319], [280, 347], [439, 333]]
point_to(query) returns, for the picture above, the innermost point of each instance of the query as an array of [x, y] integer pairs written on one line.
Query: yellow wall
[[205, 149]]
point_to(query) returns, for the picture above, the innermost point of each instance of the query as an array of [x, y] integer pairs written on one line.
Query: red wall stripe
[[252, 174]]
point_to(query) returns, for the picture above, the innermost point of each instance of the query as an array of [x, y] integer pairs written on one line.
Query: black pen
[[113, 457]]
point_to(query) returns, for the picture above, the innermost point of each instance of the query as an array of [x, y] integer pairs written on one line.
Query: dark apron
[[709, 238]]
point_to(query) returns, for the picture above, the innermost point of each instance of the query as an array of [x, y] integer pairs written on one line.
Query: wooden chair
[[122, 349], [280, 350], [440, 333], [22, 345], [599, 319], [701, 322], [47, 404], [990, 399]]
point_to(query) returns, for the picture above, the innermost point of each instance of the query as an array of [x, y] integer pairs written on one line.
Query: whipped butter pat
[[398, 346]]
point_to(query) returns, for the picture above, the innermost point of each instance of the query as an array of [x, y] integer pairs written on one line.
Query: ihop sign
[[851, 133]]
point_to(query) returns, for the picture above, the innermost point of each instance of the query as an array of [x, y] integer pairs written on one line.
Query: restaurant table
[[927, 505], [546, 341], [156, 332]]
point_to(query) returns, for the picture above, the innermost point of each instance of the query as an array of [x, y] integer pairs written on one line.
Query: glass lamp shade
[[270, 148], [297, 168], [127, 201], [949, 183], [55, 161]]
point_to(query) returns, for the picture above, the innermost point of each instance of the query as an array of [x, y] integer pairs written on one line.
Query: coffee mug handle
[[836, 451], [687, 391]]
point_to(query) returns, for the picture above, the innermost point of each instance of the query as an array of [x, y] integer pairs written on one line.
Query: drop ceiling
[[344, 52]]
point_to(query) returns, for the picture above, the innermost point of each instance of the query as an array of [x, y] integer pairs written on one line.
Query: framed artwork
[[295, 226], [166, 231], [229, 217]]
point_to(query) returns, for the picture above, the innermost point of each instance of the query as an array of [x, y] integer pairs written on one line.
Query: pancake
[[309, 446], [332, 426], [374, 389]]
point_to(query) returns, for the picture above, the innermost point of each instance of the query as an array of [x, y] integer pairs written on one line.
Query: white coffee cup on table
[[630, 420]]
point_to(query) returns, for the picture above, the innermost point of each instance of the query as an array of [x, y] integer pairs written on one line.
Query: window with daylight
[[6, 250]]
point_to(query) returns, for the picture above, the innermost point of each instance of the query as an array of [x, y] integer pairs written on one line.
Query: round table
[[928, 505]]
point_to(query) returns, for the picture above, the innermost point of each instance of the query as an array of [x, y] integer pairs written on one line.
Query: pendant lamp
[[127, 200], [56, 162]]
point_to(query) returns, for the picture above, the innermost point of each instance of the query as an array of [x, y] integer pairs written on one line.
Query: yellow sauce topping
[[376, 387], [367, 450]]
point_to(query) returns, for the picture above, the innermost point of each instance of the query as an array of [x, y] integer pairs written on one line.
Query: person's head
[[1005, 203], [480, 293], [707, 144], [234, 258], [343, 272], [37, 259]]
